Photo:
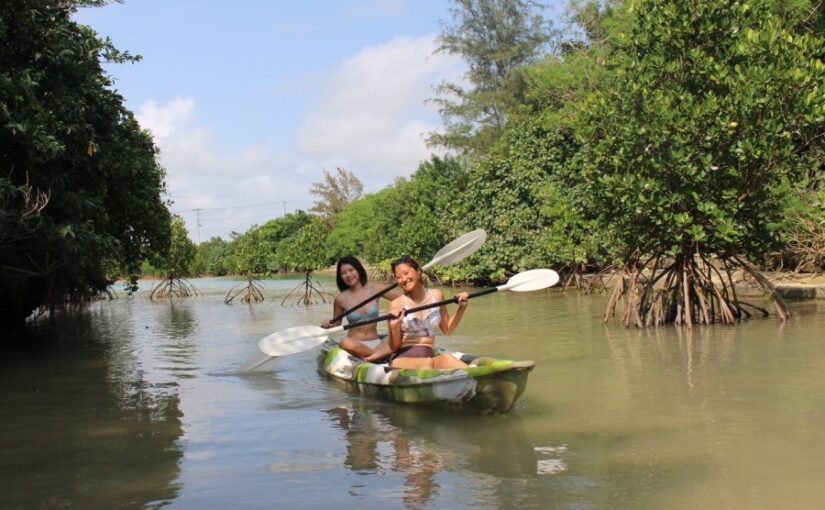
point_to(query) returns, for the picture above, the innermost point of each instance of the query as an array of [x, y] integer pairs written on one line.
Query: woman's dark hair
[[354, 262], [406, 259]]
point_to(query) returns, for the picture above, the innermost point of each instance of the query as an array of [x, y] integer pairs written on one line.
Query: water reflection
[[77, 431], [108, 413], [178, 320], [421, 443], [694, 351]]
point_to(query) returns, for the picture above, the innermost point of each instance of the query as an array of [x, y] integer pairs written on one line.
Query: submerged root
[[688, 289], [250, 293], [173, 288]]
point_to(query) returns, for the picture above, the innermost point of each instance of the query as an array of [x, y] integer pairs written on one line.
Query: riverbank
[[799, 285]]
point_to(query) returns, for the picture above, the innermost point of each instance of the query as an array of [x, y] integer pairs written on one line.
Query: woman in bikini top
[[351, 278], [412, 335]]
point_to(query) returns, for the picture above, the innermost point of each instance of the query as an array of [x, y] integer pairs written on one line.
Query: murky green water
[[133, 404]]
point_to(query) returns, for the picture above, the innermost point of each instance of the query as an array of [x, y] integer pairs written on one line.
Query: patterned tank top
[[417, 325]]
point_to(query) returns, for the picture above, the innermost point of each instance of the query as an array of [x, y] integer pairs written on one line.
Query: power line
[[208, 220], [241, 206]]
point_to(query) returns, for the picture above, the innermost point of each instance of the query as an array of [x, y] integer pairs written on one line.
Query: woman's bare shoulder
[[397, 303]]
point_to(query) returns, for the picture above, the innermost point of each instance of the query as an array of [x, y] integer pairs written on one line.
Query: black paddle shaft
[[453, 299], [362, 303]]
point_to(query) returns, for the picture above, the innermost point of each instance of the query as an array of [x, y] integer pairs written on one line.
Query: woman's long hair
[[354, 262]]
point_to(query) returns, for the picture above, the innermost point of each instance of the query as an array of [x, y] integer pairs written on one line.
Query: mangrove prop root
[[252, 292], [173, 287], [307, 293], [597, 282], [689, 289]]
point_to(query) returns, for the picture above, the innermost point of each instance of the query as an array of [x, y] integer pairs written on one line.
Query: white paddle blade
[[459, 249], [533, 279], [293, 340]]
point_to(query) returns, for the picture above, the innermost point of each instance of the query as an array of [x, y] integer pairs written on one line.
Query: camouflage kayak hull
[[488, 385]]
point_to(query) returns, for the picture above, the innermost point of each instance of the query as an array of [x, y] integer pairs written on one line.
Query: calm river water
[[134, 404]]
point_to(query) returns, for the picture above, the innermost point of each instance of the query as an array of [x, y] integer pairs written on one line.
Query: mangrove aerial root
[[595, 283], [687, 289], [173, 287], [251, 293], [304, 293]]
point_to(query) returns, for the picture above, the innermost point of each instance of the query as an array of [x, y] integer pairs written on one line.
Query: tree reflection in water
[[84, 428]]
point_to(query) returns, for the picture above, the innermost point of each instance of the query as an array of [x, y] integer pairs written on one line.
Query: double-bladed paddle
[[458, 249], [302, 338]]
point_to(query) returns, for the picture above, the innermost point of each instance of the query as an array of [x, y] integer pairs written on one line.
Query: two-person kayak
[[487, 385]]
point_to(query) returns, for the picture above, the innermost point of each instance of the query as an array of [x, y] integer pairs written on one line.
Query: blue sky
[[250, 101]]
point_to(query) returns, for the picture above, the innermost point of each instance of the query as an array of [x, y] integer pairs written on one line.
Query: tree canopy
[[335, 192], [80, 185], [710, 118], [495, 38]]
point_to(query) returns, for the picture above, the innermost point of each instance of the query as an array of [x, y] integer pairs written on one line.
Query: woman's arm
[[448, 324], [337, 309], [391, 294], [394, 327], [394, 324]]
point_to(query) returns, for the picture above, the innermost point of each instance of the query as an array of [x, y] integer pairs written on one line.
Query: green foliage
[[176, 262], [522, 194], [804, 239], [357, 227], [495, 38], [65, 135], [306, 250], [210, 258], [251, 252], [712, 112], [413, 217], [257, 250]]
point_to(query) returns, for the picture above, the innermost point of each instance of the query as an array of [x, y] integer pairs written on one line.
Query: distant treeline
[[650, 127], [685, 137]]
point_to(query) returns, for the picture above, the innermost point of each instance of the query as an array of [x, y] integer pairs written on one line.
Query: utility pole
[[198, 215], [284, 208]]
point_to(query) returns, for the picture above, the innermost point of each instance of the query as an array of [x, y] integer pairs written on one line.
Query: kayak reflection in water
[[412, 335], [351, 278]]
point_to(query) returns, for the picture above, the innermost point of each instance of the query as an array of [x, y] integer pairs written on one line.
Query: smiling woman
[[351, 278], [412, 335]]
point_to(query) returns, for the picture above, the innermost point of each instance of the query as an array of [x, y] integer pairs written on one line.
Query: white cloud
[[373, 117], [370, 119], [162, 121], [233, 189]]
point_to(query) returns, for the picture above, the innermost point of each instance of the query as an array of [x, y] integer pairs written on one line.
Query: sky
[[251, 101]]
